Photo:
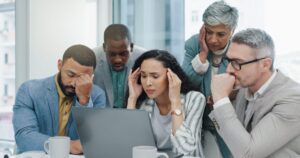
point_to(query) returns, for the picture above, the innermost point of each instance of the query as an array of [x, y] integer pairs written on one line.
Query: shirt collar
[[249, 96], [60, 93]]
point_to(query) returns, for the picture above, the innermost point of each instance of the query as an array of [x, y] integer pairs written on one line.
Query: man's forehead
[[240, 51]]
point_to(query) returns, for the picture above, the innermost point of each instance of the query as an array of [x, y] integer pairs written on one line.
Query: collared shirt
[[248, 94], [65, 104], [118, 83]]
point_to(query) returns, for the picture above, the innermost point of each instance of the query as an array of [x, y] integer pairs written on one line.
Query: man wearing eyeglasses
[[114, 61], [266, 118]]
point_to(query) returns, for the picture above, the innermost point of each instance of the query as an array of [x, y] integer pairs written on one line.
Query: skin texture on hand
[[135, 89], [83, 88], [221, 86], [204, 49], [174, 89], [75, 147]]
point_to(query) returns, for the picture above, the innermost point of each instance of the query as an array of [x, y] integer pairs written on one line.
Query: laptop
[[111, 133]]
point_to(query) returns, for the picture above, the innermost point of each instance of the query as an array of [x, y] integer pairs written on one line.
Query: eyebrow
[[151, 73], [236, 59]]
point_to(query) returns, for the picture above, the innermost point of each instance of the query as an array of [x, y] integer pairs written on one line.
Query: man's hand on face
[[221, 86], [83, 88]]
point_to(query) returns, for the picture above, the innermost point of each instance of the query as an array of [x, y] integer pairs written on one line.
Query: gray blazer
[[102, 75], [275, 125]]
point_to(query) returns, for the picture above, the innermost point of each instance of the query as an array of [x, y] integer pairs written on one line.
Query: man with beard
[[266, 120], [115, 59], [43, 107]]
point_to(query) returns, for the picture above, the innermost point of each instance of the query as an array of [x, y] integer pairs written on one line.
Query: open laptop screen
[[111, 133]]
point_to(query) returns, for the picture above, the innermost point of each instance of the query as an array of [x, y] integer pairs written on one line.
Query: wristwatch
[[176, 112]]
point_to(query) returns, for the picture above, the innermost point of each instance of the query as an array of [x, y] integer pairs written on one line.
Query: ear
[[59, 64], [131, 47], [103, 46], [267, 64]]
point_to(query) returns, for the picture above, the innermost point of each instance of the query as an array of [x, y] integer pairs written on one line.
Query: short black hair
[[81, 54], [117, 32], [168, 61]]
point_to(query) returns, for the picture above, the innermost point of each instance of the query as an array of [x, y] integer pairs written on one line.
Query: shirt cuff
[[88, 104], [221, 102], [198, 66]]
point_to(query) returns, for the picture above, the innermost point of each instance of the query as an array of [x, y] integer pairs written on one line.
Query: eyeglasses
[[238, 66], [114, 54]]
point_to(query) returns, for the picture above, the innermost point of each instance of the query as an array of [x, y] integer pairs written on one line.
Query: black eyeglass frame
[[234, 63]]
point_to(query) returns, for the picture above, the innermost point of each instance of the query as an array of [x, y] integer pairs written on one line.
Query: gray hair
[[221, 13], [259, 40]]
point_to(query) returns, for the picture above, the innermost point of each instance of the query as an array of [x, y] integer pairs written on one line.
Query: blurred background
[[35, 33]]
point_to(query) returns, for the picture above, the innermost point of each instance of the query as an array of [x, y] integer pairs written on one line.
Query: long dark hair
[[168, 61]]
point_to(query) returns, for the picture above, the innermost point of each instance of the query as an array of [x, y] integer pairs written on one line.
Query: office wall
[[54, 25]]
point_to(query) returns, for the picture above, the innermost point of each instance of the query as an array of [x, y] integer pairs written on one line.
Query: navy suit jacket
[[36, 112]]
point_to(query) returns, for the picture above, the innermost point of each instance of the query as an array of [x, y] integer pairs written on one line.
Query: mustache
[[69, 86]]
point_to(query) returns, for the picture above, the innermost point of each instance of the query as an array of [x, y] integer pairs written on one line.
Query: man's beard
[[65, 87]]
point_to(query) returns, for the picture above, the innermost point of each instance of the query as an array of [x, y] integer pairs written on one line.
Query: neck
[[163, 103], [261, 81]]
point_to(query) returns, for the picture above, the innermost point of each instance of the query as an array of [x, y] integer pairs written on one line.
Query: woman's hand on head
[[203, 46], [135, 89], [174, 87]]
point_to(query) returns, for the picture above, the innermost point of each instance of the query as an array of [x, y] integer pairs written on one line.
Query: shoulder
[[137, 51], [193, 99], [192, 41], [99, 52], [38, 84], [36, 88]]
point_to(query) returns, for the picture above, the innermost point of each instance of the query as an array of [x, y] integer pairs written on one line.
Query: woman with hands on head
[[158, 84], [204, 53]]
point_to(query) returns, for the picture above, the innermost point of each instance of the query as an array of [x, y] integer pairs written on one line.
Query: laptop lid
[[111, 133]]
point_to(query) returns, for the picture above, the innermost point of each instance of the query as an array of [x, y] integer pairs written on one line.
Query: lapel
[[266, 102], [52, 100], [241, 104], [263, 104], [129, 65], [107, 80]]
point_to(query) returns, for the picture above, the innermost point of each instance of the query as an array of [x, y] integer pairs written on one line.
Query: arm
[[135, 89], [195, 62], [97, 98], [25, 122], [186, 139], [273, 131]]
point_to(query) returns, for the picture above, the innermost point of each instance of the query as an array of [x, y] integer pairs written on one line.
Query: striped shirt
[[187, 139]]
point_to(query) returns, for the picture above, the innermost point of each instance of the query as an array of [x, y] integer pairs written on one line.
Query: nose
[[229, 68], [117, 59], [149, 82], [213, 39], [73, 82]]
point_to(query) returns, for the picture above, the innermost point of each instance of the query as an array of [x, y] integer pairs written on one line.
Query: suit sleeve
[[25, 123], [191, 51], [186, 139], [273, 131]]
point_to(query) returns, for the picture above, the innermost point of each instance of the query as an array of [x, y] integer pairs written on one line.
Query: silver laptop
[[111, 133]]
